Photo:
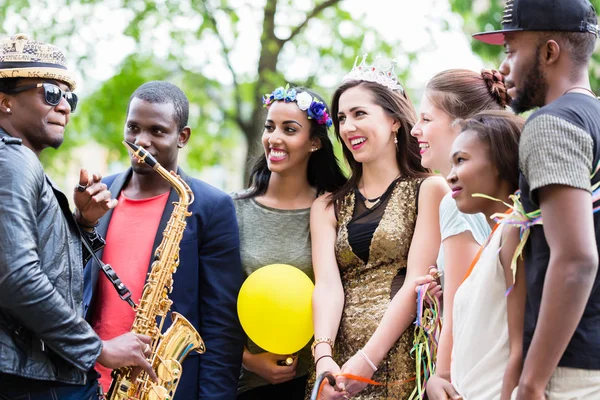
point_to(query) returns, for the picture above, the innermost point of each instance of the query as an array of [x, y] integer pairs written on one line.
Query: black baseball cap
[[544, 15]]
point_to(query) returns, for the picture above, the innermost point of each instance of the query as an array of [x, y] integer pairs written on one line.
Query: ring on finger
[[81, 188], [147, 349]]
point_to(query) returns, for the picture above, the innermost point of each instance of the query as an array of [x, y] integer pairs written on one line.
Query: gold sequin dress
[[368, 285]]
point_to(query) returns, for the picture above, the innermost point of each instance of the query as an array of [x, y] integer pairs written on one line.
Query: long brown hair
[[462, 93], [398, 106]]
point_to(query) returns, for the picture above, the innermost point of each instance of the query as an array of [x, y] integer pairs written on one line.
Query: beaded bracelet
[[319, 341]]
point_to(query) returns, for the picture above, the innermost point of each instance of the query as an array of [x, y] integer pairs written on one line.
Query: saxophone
[[171, 348]]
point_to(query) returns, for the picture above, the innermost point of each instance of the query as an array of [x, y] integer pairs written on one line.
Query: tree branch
[[226, 50], [227, 114], [315, 11], [235, 118]]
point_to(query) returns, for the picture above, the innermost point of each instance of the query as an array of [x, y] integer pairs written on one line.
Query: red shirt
[[128, 250]]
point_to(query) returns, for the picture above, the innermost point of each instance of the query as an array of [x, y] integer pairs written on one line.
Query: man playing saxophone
[[47, 349], [209, 275]]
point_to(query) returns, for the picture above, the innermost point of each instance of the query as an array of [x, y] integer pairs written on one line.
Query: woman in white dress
[[489, 305], [452, 95]]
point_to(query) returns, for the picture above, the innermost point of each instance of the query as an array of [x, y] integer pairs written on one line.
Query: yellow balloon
[[275, 308]]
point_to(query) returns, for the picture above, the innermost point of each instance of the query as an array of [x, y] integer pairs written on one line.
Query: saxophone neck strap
[[109, 272]]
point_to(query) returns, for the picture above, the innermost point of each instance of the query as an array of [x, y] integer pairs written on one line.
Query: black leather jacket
[[42, 332]]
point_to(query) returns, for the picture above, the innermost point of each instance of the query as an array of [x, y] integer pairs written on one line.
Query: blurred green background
[[225, 54]]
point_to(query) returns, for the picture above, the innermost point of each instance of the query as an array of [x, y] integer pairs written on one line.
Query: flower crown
[[315, 109]]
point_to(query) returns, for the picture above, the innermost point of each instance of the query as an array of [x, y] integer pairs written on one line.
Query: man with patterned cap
[[47, 349], [548, 48]]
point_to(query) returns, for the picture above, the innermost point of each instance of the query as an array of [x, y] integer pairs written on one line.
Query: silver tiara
[[381, 72]]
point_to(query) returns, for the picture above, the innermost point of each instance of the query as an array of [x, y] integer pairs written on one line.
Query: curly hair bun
[[495, 83]]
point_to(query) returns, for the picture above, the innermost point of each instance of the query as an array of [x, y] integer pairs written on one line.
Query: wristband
[[323, 356], [89, 226], [78, 217]]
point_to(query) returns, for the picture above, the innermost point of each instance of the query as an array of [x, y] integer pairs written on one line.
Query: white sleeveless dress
[[480, 327]]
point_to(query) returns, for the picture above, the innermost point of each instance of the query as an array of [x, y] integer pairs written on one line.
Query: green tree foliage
[[201, 36], [485, 15]]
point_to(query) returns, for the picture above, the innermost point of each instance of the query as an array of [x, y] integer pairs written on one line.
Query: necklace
[[370, 203], [581, 88]]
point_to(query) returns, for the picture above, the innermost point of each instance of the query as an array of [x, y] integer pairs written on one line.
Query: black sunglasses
[[52, 94]]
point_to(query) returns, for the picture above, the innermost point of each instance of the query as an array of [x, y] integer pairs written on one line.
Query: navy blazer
[[205, 287]]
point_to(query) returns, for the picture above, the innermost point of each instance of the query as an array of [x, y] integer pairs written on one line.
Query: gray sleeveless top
[[272, 236]]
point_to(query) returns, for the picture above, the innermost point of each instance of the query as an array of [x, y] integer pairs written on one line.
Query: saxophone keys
[[159, 393], [168, 371]]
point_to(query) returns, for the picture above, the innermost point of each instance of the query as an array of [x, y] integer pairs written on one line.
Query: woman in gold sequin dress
[[380, 226]]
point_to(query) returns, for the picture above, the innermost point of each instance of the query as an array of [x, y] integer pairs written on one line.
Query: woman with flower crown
[[273, 217], [378, 229]]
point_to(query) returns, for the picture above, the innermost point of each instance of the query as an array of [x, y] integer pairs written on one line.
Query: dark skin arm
[[129, 349], [92, 203], [569, 230]]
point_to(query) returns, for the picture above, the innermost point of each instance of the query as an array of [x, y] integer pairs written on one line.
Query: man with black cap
[[548, 48], [47, 349]]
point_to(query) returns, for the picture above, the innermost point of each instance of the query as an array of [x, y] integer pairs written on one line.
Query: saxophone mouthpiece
[[141, 154]]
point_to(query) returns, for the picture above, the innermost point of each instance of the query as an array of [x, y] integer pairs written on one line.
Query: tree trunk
[[271, 46], [267, 66]]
